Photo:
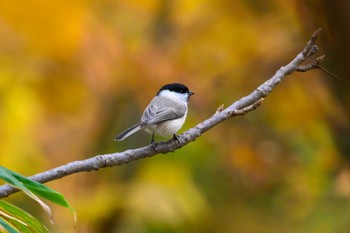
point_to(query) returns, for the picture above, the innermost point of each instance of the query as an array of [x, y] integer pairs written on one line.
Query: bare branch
[[310, 48], [220, 109], [240, 107], [313, 65], [249, 108]]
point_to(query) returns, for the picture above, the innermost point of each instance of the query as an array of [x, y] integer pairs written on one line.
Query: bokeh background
[[73, 74]]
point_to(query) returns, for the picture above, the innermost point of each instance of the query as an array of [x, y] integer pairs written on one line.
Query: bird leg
[[153, 143]]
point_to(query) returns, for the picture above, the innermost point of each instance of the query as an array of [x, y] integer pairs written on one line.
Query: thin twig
[[334, 76], [313, 65]]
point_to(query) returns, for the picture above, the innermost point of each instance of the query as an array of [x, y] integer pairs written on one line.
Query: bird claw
[[178, 138], [153, 144]]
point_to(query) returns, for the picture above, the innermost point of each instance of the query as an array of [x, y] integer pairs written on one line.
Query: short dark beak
[[189, 95]]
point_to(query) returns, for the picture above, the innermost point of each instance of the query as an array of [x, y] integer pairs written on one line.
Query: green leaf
[[6, 226], [10, 177], [33, 188], [20, 219], [43, 191]]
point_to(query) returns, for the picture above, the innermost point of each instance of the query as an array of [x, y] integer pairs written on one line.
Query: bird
[[165, 114]]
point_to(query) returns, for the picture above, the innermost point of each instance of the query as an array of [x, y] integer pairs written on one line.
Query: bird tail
[[128, 132]]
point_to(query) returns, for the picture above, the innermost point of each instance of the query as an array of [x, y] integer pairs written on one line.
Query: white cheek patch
[[170, 94]]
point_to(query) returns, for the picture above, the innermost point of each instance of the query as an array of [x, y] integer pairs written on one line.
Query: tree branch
[[240, 107]]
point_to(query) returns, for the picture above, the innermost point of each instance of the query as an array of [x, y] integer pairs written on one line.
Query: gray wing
[[162, 109]]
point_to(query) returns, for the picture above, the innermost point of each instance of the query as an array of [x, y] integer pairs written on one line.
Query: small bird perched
[[165, 114]]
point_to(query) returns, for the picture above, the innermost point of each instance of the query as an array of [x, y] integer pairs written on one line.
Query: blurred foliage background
[[73, 74]]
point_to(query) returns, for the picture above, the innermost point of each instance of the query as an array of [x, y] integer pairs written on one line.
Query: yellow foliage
[[164, 192]]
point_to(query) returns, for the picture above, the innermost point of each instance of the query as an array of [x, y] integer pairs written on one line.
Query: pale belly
[[167, 128]]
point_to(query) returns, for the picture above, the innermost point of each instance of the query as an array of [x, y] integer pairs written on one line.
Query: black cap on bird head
[[175, 87]]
